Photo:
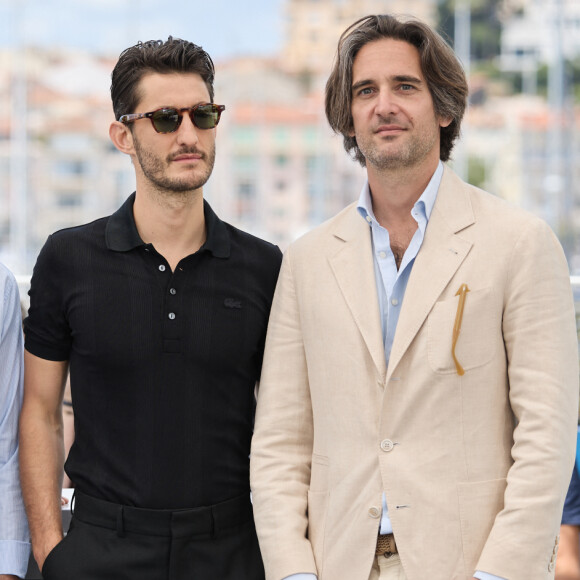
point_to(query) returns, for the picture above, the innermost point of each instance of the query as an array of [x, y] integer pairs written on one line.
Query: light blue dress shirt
[[391, 284], [14, 537]]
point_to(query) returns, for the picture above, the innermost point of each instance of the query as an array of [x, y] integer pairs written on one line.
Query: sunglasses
[[168, 119]]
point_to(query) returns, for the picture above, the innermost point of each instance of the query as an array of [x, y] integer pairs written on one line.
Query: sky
[[223, 27]]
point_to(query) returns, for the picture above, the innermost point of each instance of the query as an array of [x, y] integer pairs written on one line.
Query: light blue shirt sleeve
[[14, 536], [486, 576]]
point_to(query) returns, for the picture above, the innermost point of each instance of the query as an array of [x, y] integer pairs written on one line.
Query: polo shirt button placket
[[172, 291], [171, 300]]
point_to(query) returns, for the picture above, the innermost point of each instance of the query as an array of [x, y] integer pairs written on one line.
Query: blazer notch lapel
[[353, 269], [442, 253]]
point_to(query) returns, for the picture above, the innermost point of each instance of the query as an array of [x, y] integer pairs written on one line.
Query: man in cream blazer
[[443, 450]]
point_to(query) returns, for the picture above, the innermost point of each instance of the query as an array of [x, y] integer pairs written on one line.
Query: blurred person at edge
[[417, 409], [160, 310], [14, 537], [568, 561]]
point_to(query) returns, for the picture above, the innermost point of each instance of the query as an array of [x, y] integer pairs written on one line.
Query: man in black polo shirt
[[160, 312]]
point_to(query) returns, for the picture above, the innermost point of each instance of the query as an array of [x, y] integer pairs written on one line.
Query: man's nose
[[386, 103], [187, 131]]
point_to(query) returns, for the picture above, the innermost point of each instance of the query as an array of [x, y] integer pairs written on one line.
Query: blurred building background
[[279, 168]]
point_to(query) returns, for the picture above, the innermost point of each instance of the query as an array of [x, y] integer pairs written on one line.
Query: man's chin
[[391, 161], [181, 186]]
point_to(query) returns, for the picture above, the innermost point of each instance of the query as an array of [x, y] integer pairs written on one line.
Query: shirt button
[[382, 254], [171, 316], [394, 302], [374, 512], [162, 268], [369, 219], [172, 291], [387, 445]]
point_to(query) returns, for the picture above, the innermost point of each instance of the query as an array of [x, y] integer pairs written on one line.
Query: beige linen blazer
[[474, 467]]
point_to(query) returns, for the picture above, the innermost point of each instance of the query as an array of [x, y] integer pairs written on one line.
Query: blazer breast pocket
[[479, 336]]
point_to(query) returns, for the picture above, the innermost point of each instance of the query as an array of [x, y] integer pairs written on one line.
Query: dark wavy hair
[[441, 69], [156, 56]]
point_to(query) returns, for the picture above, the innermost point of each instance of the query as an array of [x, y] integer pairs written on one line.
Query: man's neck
[[395, 192], [173, 222]]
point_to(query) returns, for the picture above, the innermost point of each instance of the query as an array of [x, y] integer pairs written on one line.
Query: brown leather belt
[[386, 545]]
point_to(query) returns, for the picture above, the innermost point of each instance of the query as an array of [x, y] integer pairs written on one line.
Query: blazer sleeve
[[14, 536], [281, 453], [541, 346]]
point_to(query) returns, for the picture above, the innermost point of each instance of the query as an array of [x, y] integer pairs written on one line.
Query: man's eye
[[407, 87]]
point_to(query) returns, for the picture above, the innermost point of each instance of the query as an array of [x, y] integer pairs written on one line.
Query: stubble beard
[[155, 170], [407, 155]]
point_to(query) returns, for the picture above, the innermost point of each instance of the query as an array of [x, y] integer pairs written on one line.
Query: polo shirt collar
[[121, 234], [218, 237]]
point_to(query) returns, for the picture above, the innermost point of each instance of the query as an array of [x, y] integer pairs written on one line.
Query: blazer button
[[374, 512], [387, 445]]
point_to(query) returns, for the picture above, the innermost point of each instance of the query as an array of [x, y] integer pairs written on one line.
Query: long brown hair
[[441, 69]]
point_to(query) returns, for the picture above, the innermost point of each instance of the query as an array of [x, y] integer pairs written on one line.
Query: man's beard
[[155, 169], [406, 155]]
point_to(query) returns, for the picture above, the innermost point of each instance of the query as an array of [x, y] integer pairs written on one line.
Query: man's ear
[[122, 137], [445, 121]]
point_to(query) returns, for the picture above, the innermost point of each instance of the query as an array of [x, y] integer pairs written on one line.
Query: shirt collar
[[424, 205], [121, 234]]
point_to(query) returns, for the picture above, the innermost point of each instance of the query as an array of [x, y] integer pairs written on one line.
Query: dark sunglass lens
[[166, 120], [206, 117]]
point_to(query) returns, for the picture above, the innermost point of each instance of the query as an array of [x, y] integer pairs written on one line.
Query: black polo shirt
[[163, 364]]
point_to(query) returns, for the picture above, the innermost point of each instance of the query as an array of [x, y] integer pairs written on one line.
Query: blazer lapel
[[441, 254], [353, 268]]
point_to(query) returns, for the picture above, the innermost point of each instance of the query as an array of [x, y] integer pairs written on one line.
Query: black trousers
[[107, 541]]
